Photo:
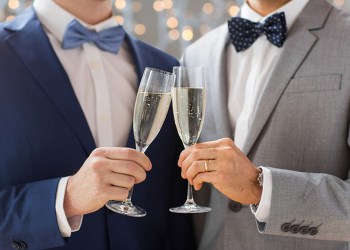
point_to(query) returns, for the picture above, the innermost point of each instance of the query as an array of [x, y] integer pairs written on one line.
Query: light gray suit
[[300, 130]]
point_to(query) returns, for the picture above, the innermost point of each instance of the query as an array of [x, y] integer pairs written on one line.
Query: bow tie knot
[[107, 40], [243, 32], [94, 37]]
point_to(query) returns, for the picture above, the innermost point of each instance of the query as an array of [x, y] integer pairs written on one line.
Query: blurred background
[[170, 25]]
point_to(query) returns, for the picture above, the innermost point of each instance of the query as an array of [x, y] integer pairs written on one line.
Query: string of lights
[[170, 25]]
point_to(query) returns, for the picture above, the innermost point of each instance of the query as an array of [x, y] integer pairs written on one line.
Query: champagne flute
[[151, 107], [188, 96]]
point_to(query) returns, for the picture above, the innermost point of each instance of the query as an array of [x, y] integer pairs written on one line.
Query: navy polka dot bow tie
[[243, 32], [107, 40]]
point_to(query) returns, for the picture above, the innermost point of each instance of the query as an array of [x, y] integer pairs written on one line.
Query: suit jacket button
[[295, 229], [235, 206], [313, 231], [15, 245], [22, 245], [304, 229], [286, 227]]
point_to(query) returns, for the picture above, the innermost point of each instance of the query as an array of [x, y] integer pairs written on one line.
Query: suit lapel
[[139, 67], [217, 94], [41, 61], [136, 53], [297, 46]]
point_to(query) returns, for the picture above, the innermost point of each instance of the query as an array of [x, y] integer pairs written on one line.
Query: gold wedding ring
[[206, 165]]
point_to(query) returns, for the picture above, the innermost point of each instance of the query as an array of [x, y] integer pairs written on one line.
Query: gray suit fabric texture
[[300, 130]]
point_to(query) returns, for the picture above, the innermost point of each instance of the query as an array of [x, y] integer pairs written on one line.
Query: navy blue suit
[[44, 136]]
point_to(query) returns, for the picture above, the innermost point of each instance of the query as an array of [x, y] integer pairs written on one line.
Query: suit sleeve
[[309, 205], [28, 216]]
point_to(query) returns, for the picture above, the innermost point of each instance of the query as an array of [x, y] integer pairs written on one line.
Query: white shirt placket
[[102, 96]]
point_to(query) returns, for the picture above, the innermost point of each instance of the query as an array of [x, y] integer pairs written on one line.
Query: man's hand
[[107, 174], [223, 165]]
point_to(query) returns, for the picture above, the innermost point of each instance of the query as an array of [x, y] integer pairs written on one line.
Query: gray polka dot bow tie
[[243, 32]]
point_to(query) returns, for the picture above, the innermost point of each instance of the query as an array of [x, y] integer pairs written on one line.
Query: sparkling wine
[[189, 111], [149, 115]]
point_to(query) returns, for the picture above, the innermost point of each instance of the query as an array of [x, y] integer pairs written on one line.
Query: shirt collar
[[49, 12], [291, 9]]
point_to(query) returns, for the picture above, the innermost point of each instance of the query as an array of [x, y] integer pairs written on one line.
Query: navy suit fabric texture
[[45, 136]]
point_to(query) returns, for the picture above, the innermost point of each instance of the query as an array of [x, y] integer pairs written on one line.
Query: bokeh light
[[120, 4], [158, 6], [13, 4], [168, 4], [172, 22], [208, 8], [187, 33], [170, 25], [174, 35], [140, 29], [119, 19], [233, 10], [136, 6]]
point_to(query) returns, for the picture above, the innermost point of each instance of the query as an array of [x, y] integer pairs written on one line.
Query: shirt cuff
[[66, 225], [262, 212]]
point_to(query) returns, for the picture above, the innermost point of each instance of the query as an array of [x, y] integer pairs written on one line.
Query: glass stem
[[189, 200], [128, 199]]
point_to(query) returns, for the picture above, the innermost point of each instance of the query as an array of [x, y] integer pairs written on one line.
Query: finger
[[198, 155], [120, 180], [104, 166], [200, 178], [215, 144], [129, 168], [198, 167], [115, 153], [184, 154], [205, 145], [116, 193]]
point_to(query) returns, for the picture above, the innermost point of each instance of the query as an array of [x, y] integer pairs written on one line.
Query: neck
[[265, 7], [89, 11]]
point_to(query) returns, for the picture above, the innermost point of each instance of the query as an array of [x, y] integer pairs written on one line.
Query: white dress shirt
[[248, 74], [104, 83]]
